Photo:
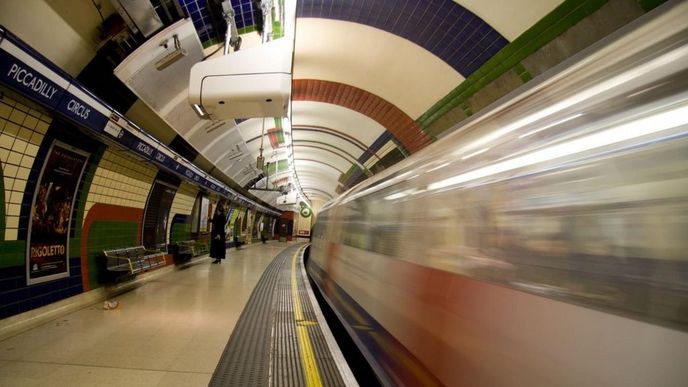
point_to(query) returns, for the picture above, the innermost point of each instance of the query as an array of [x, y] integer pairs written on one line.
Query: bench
[[184, 250], [201, 247], [132, 260], [238, 241]]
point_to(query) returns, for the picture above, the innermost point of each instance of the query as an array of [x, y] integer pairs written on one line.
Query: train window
[[385, 222], [354, 228], [608, 234], [385, 239]]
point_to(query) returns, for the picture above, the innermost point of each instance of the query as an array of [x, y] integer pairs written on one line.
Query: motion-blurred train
[[543, 242]]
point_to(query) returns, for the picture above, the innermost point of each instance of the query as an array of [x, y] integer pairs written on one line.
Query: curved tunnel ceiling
[[364, 72]]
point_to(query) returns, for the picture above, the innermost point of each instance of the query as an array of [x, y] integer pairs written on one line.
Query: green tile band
[[549, 27], [649, 5], [466, 109], [12, 253], [282, 165], [180, 232], [2, 207], [522, 73], [245, 30], [212, 42], [107, 234]]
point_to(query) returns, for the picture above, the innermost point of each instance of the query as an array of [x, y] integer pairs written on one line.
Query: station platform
[[250, 321]]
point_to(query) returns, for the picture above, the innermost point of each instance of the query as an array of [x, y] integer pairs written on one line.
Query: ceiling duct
[[253, 82], [139, 15], [176, 54]]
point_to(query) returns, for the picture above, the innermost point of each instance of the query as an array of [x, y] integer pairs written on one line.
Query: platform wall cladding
[[121, 180], [109, 203], [108, 210], [114, 209], [568, 29], [179, 225], [24, 133], [110, 198], [75, 179], [21, 131]]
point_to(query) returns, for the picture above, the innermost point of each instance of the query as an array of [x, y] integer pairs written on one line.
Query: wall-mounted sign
[[203, 218], [47, 253], [305, 212], [34, 76]]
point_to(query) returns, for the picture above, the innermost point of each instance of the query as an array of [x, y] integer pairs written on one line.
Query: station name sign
[[26, 80], [29, 80], [32, 75]]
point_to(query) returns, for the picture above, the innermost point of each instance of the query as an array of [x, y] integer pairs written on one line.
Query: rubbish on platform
[[108, 305]]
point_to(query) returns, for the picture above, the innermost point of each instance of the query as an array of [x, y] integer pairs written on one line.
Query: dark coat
[[217, 245]]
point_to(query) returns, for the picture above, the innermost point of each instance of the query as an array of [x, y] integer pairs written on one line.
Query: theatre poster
[[203, 219], [47, 255]]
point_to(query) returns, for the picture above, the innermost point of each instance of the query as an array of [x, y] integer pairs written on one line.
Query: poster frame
[[203, 215], [33, 281]]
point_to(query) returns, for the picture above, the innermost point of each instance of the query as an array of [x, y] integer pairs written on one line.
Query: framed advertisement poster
[[228, 229], [203, 219], [47, 253]]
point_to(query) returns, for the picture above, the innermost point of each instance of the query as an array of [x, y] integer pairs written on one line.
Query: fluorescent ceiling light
[[551, 125], [475, 153], [395, 196], [403, 194], [439, 167], [641, 127], [200, 110], [599, 88]]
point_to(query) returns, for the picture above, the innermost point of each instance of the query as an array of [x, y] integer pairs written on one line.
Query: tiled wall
[[572, 26], [18, 298], [180, 228], [243, 9], [182, 206], [121, 180], [107, 234], [457, 36], [108, 216], [393, 119], [21, 131], [198, 11], [184, 199]]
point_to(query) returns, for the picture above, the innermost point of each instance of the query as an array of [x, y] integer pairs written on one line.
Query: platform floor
[[169, 332], [282, 338]]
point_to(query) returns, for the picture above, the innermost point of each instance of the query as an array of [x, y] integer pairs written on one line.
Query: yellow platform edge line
[[310, 367]]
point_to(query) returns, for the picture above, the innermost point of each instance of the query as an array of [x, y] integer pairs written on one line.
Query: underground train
[[543, 242]]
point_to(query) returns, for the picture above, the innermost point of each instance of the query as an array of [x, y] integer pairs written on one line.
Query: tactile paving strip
[[265, 347], [245, 360]]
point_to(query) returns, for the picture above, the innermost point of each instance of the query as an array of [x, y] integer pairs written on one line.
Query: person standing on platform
[[217, 235]]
